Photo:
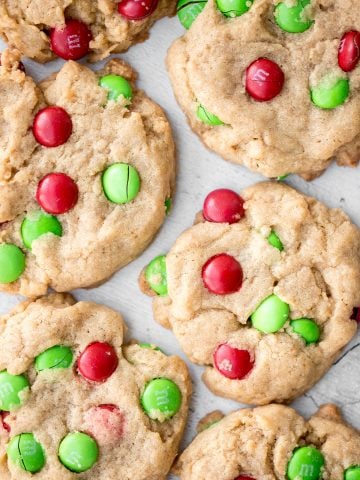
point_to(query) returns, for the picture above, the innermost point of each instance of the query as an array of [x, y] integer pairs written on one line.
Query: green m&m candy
[[330, 92], [155, 274], [275, 241], [188, 11], [161, 399], [293, 19], [13, 391], [305, 464], [25, 452], [352, 473], [150, 346], [121, 183], [12, 262], [54, 357], [38, 223], [271, 315], [117, 86], [307, 329], [78, 452], [234, 8], [207, 117]]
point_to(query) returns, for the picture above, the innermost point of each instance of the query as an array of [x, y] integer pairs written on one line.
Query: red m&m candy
[[105, 423], [137, 9], [231, 362], [223, 206], [264, 80], [222, 274], [57, 193], [97, 362], [71, 42], [52, 126], [349, 51]]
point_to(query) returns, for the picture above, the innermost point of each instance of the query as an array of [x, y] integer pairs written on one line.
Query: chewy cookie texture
[[71, 29], [86, 166], [273, 442], [262, 291], [273, 85], [76, 400]]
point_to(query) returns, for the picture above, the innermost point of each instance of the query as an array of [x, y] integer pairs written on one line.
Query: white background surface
[[200, 171]]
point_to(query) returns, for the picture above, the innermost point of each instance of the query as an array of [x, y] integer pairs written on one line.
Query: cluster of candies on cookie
[[222, 275], [78, 451], [56, 192], [264, 79]]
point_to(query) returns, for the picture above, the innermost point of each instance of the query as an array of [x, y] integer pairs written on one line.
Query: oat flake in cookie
[[273, 442], [77, 400], [261, 291], [86, 166], [273, 85], [71, 29]]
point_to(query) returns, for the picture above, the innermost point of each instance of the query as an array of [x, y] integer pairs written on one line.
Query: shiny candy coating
[[97, 362], [26, 452], [207, 117], [293, 19], [72, 41], [349, 51], [307, 328], [271, 315], [222, 274], [57, 193], [12, 262], [121, 183], [275, 241], [331, 92], [264, 80], [37, 224], [232, 362], [352, 473], [117, 86], [233, 8], [78, 452], [137, 9], [13, 389], [155, 274], [52, 127], [223, 206], [306, 464], [189, 10], [161, 399], [54, 357]]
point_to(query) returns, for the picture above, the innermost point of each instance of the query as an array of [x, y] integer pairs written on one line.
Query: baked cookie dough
[[272, 85], [260, 291], [274, 442], [86, 166], [73, 28], [77, 400]]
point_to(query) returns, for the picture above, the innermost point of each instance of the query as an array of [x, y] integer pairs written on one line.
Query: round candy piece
[[137, 9], [98, 362], [188, 11], [52, 126], [121, 183], [161, 399], [352, 473], [223, 206], [105, 423], [232, 362], [208, 118], [27, 453], [293, 19], [78, 452], [155, 274], [12, 262], [222, 274], [13, 391], [271, 315], [330, 92], [57, 356], [117, 86], [264, 80], [307, 329], [275, 241], [349, 51], [57, 193], [305, 464], [72, 41], [233, 8], [36, 224]]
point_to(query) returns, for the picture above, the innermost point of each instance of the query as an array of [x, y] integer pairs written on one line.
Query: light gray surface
[[200, 171]]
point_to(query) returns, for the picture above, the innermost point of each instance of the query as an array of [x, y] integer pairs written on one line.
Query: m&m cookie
[[76, 401], [271, 84], [263, 291], [75, 28], [86, 174], [272, 442]]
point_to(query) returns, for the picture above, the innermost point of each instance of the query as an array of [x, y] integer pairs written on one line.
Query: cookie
[[80, 401], [274, 442], [261, 291], [271, 85], [86, 166], [71, 29]]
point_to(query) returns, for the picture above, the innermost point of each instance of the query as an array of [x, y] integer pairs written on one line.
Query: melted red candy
[[3, 416], [57, 193], [349, 51], [72, 41], [52, 126], [223, 206], [137, 9], [222, 274], [264, 80], [232, 363], [105, 423], [97, 362]]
